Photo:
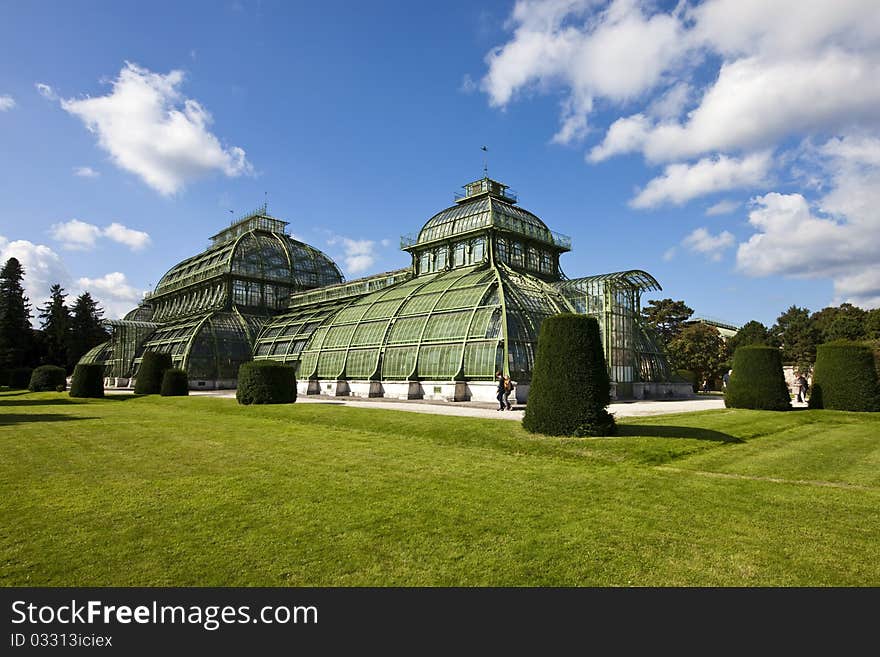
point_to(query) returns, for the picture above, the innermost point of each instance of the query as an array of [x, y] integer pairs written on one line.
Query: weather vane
[[485, 150]]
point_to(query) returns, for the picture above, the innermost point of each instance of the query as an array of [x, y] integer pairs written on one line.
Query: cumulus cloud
[[6, 103], [76, 235], [617, 55], [115, 294], [85, 172], [42, 267], [722, 207], [152, 130], [359, 254], [785, 68], [133, 239], [682, 182], [704, 242]]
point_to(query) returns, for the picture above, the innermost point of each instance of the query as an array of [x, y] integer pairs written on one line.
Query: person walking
[[499, 376], [508, 388], [802, 388]]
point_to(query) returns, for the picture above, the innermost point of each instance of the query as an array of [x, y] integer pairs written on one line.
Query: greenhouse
[[484, 275], [207, 310]]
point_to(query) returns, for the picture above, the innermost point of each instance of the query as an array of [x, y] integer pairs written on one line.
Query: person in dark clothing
[[802, 388], [499, 376]]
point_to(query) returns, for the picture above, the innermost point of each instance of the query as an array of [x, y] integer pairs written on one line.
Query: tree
[[701, 349], [845, 322], [55, 316], [16, 335], [750, 333], [87, 331], [666, 317], [798, 336], [570, 387], [872, 324]]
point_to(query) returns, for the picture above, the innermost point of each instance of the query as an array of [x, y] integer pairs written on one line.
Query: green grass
[[145, 491]]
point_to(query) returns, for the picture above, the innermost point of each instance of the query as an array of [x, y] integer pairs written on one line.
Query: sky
[[731, 148]]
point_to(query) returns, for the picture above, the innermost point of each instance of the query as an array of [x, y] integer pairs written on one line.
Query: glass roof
[[489, 211], [268, 256]]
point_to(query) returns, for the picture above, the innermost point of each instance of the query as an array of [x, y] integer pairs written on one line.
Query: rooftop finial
[[485, 150]]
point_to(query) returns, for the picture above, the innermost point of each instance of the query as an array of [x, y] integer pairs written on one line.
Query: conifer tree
[[87, 331], [16, 335], [55, 324]]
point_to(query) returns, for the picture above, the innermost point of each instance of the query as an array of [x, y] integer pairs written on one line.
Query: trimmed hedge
[[175, 383], [19, 377], [48, 378], [87, 381], [570, 388], [149, 376], [845, 378], [266, 382], [757, 380]]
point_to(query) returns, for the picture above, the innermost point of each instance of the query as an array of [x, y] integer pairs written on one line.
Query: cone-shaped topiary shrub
[[149, 376], [87, 381], [266, 382], [20, 377], [845, 378], [570, 389], [175, 383], [757, 380], [48, 378]]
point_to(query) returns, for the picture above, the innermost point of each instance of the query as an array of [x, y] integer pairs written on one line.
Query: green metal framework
[[207, 310], [461, 324], [631, 352], [484, 275]]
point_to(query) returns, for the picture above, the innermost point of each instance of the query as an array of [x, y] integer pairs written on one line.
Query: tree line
[[66, 333], [699, 348]]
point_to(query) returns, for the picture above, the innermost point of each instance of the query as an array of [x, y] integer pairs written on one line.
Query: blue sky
[[730, 149]]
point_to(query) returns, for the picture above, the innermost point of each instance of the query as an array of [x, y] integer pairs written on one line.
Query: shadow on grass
[[61, 401], [695, 433], [7, 419], [64, 401]]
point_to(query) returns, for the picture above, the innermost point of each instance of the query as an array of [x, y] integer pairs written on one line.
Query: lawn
[[147, 491]]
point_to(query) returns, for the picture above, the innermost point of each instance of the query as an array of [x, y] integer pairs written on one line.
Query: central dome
[[486, 204]]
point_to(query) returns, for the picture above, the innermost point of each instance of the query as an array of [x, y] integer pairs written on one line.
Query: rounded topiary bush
[[149, 376], [266, 382], [175, 383], [845, 378], [757, 380], [87, 381], [48, 378], [570, 388], [19, 377]]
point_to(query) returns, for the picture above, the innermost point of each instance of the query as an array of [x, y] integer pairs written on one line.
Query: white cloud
[[115, 294], [757, 101], [702, 241], [6, 103], [619, 54], [669, 254], [468, 85], [785, 68], [722, 207], [133, 239], [85, 172], [150, 129], [683, 182], [359, 254], [76, 235], [46, 91], [42, 268]]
